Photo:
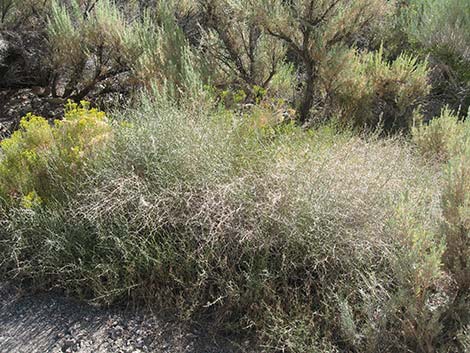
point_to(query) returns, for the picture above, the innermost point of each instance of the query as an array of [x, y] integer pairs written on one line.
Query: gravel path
[[51, 323]]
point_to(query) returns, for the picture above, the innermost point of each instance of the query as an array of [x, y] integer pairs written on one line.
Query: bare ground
[[49, 322]]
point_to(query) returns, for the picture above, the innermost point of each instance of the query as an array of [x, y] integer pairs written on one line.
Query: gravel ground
[[49, 322]]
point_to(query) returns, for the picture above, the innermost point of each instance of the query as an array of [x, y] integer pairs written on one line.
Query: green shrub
[[27, 14], [423, 286], [283, 83], [444, 29], [447, 138], [364, 90], [456, 226], [440, 29], [404, 306], [39, 157], [311, 30], [310, 240], [444, 137], [258, 226], [91, 46], [86, 48], [240, 53], [161, 58]]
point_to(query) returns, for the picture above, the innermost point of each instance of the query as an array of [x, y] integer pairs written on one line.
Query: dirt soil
[[50, 322]]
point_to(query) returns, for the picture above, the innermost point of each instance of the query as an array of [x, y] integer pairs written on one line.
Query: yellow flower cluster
[[39, 152]]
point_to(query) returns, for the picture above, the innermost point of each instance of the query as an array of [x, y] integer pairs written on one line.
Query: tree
[[236, 43], [94, 44], [312, 28]]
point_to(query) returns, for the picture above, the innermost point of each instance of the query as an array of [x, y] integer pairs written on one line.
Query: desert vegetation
[[293, 172]]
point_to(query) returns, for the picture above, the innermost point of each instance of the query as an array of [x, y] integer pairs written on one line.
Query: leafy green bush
[[364, 90], [39, 157]]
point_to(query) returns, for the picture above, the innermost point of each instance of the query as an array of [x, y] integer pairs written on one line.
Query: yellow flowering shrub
[[40, 152], [31, 200], [81, 134]]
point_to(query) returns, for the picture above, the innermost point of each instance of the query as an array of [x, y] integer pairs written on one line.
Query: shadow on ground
[[49, 322]]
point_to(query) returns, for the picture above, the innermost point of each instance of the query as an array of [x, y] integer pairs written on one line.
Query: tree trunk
[[307, 96]]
